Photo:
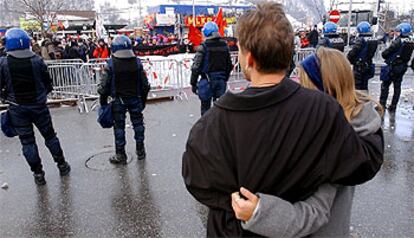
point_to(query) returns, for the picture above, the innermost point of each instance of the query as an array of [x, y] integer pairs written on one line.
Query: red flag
[[194, 35], [221, 22]]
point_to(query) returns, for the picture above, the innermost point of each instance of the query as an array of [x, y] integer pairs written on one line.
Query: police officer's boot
[[120, 157], [38, 173], [141, 151], [39, 178], [64, 169], [63, 166]]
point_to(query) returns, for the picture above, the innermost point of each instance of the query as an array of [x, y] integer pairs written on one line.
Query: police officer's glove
[[194, 89]]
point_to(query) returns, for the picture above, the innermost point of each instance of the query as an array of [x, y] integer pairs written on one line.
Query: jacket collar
[[246, 102]]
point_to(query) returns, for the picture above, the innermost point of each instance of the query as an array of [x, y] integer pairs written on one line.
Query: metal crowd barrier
[[67, 85], [236, 75], [164, 75], [75, 80], [64, 61], [301, 54]]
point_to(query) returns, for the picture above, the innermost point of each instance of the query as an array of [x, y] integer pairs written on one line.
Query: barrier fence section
[[80, 81], [165, 78], [67, 84], [75, 80], [301, 54]]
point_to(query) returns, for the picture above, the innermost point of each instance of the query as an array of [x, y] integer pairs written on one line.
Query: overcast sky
[[401, 5]]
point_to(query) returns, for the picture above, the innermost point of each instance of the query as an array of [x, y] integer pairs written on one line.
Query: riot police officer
[[361, 56], [126, 82], [25, 83], [397, 57], [331, 38], [213, 63]]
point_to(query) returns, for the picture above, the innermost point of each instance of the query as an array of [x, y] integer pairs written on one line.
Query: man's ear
[[250, 60]]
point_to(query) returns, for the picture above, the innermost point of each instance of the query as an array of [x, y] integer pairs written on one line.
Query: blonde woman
[[327, 212]]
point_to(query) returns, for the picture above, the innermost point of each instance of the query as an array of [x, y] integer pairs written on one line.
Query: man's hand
[[244, 208], [194, 89]]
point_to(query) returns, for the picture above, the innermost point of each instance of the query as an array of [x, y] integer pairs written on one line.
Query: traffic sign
[[334, 16]]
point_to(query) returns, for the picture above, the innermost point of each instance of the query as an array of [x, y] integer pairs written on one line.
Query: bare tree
[[41, 10], [111, 14], [8, 16]]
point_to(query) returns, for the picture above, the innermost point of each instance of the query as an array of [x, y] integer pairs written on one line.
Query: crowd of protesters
[[54, 47]]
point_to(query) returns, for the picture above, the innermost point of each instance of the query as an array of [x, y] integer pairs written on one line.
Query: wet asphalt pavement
[[148, 198]]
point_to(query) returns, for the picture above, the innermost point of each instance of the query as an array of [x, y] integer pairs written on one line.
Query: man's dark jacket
[[313, 37], [285, 141]]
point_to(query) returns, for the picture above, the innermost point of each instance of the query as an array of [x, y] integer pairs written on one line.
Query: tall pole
[[376, 16], [140, 9], [194, 16], [349, 22]]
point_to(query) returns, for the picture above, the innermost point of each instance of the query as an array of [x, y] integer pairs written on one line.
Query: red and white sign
[[334, 16]]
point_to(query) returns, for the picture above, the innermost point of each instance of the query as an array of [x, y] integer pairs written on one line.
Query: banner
[[29, 24], [201, 20], [164, 50], [165, 20]]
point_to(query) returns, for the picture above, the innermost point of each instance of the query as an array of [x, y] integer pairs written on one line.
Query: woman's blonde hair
[[338, 81]]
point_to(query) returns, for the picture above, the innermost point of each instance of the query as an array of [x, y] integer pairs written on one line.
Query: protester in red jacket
[[102, 51]]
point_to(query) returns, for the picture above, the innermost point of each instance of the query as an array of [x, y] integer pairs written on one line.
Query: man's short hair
[[267, 33]]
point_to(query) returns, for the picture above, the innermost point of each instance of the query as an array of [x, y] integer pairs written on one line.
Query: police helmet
[[330, 28], [364, 27], [210, 28], [17, 39], [121, 47], [404, 28]]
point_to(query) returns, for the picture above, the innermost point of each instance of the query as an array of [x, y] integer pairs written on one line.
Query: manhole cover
[[100, 161]]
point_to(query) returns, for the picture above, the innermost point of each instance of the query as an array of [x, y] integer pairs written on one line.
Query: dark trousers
[[119, 108], [396, 78], [217, 88], [22, 119], [361, 80]]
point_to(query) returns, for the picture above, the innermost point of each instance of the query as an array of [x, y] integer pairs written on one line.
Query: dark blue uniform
[[361, 57], [397, 57], [332, 40], [125, 81], [213, 63], [25, 83]]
